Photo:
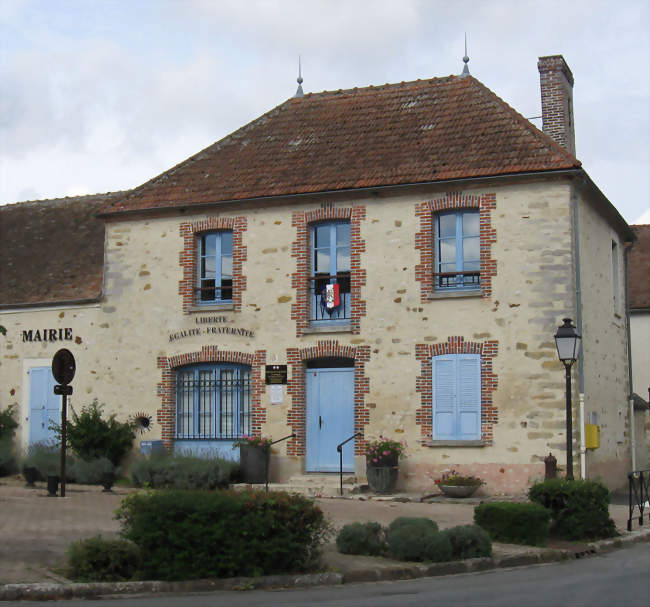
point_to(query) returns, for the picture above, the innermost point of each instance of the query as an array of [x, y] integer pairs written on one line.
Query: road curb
[[52, 591]]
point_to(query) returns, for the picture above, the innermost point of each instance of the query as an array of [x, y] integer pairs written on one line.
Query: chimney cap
[[554, 63]]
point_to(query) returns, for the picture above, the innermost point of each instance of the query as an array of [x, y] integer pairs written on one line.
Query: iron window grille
[[213, 402]]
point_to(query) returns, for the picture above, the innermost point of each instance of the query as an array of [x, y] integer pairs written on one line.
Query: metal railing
[[268, 447], [454, 280], [638, 495], [339, 448], [319, 312]]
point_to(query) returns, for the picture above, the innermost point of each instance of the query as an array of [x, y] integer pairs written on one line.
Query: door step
[[315, 485]]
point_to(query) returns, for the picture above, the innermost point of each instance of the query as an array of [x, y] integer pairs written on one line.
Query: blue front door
[[330, 419], [44, 406]]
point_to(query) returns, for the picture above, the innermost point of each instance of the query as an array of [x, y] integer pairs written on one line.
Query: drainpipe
[[626, 252], [581, 375]]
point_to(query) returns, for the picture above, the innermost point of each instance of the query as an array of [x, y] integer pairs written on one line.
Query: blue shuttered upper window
[[215, 267], [457, 250], [456, 397]]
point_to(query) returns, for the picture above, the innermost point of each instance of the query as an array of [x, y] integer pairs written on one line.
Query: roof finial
[[465, 60], [299, 92]]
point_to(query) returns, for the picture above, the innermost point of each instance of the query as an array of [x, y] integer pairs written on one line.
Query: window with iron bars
[[330, 272], [213, 402]]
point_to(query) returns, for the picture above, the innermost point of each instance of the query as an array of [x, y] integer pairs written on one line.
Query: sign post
[[63, 369]]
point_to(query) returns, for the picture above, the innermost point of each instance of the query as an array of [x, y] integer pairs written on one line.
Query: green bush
[[468, 542], [45, 457], [200, 534], [580, 508], [89, 472], [100, 560], [422, 523], [437, 548], [91, 436], [361, 538], [8, 425], [514, 523], [182, 472], [410, 542]]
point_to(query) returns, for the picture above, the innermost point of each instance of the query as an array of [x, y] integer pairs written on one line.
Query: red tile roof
[[52, 251], [413, 132], [639, 268]]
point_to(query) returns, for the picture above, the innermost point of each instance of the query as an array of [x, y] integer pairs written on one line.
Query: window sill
[[211, 308], [454, 443], [343, 328], [454, 294]]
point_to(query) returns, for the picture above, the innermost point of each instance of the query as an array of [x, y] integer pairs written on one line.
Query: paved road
[[618, 578]]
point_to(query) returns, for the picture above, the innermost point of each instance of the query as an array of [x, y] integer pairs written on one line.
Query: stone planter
[[31, 475], [52, 485], [108, 480], [458, 490], [253, 463], [382, 475]]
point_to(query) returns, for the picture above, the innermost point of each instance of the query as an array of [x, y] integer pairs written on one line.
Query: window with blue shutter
[[215, 267], [456, 394], [457, 250]]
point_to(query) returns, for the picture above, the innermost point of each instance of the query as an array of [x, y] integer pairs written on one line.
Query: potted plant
[[254, 453], [453, 484], [382, 460]]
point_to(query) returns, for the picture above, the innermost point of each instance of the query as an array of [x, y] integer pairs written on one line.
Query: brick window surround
[[166, 415], [300, 250], [424, 239], [297, 414], [188, 258], [457, 345]]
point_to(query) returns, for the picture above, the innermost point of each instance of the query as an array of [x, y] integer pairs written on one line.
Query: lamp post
[[567, 342]]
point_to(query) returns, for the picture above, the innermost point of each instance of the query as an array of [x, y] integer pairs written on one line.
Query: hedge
[[514, 523]]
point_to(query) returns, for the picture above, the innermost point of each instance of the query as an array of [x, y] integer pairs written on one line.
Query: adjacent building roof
[[639, 269], [413, 132], [52, 251]]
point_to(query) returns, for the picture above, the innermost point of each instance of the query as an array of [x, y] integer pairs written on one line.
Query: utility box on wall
[[592, 436]]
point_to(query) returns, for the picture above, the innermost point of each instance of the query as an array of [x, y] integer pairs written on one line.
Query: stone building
[[407, 251], [639, 289]]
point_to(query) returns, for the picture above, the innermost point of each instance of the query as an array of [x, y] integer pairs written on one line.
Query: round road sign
[[63, 366]]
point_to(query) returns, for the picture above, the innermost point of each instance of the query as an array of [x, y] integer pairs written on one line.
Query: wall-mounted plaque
[[276, 374]]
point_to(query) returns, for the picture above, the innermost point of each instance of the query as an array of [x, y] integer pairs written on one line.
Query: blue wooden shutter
[[469, 396], [444, 397], [456, 397]]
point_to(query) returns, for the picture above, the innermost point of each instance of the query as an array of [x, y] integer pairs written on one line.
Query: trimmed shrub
[[101, 560], [514, 523], [361, 538], [580, 508], [422, 523], [410, 542], [91, 436], [182, 472], [89, 472], [201, 534], [8, 425], [46, 458], [437, 548], [468, 542]]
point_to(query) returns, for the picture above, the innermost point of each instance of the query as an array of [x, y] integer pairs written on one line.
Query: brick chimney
[[556, 83]]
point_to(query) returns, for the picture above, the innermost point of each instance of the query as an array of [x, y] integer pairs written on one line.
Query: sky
[[103, 95]]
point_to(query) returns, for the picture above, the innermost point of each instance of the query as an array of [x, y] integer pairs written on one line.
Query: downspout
[[626, 252], [581, 375]]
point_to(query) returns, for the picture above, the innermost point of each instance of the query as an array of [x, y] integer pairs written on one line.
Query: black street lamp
[[567, 342]]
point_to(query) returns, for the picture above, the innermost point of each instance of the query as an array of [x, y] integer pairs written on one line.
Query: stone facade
[[147, 325]]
